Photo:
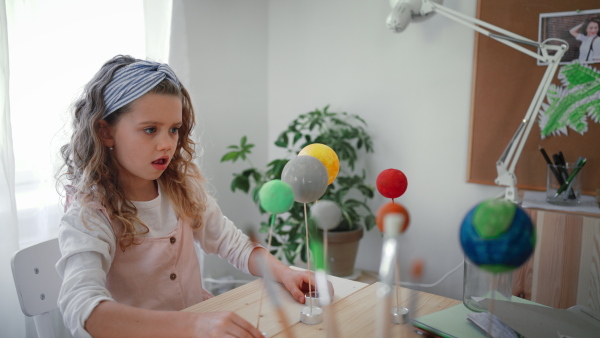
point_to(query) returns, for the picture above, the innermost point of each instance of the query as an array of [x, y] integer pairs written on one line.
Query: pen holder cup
[[562, 187]]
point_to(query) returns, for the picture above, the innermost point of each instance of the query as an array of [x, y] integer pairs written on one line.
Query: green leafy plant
[[346, 135]]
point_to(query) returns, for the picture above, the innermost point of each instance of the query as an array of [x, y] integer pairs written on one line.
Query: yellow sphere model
[[327, 156]]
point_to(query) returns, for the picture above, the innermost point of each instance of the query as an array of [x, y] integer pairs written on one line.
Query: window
[[55, 47]]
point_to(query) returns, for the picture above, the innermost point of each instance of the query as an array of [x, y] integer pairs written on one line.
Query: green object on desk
[[567, 183], [452, 322], [448, 323]]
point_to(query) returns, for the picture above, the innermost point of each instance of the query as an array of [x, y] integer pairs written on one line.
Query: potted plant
[[346, 135]]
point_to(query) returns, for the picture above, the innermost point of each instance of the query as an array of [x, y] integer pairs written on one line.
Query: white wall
[[413, 89], [221, 48]]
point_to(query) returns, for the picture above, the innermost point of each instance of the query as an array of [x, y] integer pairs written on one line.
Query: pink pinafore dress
[[157, 273]]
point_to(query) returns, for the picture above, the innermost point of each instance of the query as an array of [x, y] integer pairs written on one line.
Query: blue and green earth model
[[497, 235]]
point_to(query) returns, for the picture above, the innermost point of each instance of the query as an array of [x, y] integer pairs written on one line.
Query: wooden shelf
[[565, 268]]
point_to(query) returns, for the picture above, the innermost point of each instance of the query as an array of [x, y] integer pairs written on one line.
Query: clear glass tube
[[478, 283]]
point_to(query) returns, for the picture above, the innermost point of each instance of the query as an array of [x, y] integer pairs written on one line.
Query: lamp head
[[405, 11]]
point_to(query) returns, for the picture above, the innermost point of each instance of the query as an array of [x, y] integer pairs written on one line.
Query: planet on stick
[[391, 183], [307, 176], [497, 235], [326, 155], [394, 208], [326, 214], [276, 196]]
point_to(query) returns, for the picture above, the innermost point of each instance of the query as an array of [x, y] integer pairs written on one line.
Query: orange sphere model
[[327, 156], [392, 208]]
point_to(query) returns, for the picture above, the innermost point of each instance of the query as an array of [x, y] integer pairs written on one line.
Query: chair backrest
[[38, 283]]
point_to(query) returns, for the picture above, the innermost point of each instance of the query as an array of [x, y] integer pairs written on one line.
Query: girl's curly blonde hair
[[91, 172]]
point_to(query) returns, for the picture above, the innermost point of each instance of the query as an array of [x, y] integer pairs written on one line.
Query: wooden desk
[[245, 300], [354, 305]]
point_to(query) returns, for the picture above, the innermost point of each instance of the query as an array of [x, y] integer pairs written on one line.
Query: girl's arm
[[220, 236], [575, 30], [111, 319], [88, 307], [295, 281]]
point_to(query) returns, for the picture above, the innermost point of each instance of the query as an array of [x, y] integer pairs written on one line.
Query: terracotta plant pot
[[342, 248]]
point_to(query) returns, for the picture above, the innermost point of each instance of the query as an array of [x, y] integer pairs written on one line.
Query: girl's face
[[144, 140], [592, 28]]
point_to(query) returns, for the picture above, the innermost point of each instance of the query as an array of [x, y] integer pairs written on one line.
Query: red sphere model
[[393, 208], [391, 183]]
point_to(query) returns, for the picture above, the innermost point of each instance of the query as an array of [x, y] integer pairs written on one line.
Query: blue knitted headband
[[134, 80]]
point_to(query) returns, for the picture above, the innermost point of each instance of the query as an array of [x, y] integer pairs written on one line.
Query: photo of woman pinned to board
[[587, 33], [579, 29]]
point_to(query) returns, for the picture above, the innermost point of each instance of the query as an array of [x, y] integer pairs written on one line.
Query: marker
[[562, 158], [571, 177], [559, 179], [561, 168]]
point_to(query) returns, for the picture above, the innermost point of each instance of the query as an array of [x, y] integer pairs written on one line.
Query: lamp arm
[[506, 37], [505, 166], [507, 162]]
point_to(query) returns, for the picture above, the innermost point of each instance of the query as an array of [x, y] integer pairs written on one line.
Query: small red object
[[417, 269], [392, 183]]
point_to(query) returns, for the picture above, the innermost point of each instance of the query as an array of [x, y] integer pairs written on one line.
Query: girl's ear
[[104, 131]]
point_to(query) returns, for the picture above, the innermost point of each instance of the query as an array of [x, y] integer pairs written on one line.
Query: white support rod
[[502, 160], [534, 107], [470, 19], [384, 292], [451, 15], [518, 142]]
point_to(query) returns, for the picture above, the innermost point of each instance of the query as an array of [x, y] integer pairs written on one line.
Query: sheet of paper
[[453, 322], [537, 199], [449, 323], [496, 328]]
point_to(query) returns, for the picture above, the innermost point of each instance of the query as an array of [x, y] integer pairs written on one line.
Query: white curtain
[[9, 240], [52, 48]]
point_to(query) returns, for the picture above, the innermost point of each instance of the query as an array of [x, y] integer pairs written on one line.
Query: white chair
[[38, 283]]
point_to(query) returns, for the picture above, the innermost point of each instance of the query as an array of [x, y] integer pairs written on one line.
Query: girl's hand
[[111, 319], [224, 324], [296, 282]]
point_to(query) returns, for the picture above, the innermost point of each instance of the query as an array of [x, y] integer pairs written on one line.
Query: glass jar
[[478, 283]]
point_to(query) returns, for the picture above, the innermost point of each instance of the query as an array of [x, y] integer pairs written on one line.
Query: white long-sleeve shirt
[[88, 251]]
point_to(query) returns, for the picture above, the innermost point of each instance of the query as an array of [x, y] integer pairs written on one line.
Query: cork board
[[504, 82]]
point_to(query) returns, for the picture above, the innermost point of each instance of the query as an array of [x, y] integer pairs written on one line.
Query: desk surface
[[354, 307]]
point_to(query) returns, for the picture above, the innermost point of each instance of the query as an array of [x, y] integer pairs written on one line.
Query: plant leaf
[[230, 156]]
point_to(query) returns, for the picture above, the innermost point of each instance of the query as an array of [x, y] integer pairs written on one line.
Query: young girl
[[135, 207]]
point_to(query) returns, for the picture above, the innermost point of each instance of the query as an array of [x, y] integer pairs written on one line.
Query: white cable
[[436, 283], [424, 285], [234, 281]]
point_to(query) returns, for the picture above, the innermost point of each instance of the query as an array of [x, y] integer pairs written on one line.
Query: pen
[[570, 191], [562, 171], [559, 179], [571, 177], [559, 159]]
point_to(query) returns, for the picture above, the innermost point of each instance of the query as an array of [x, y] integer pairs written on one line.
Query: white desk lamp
[[405, 11]]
